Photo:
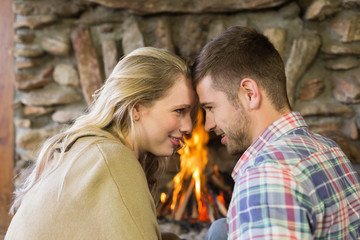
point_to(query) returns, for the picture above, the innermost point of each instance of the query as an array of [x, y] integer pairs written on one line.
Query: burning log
[[219, 181], [184, 200], [215, 198], [221, 207]]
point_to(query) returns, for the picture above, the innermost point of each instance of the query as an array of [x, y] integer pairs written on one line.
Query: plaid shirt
[[294, 184]]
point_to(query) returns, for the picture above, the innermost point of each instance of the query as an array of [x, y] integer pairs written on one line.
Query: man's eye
[[208, 108], [180, 110]]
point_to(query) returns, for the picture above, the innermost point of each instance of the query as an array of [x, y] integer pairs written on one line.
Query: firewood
[[211, 211], [184, 200], [195, 212], [217, 181], [221, 207]]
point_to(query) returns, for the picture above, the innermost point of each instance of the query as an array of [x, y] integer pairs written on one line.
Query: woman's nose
[[186, 125]]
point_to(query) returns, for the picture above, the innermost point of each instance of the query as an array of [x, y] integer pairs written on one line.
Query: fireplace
[[198, 192]]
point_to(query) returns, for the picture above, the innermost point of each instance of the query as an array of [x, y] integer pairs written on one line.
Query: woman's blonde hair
[[143, 76]]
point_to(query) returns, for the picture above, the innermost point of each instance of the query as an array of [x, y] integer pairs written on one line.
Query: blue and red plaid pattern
[[294, 184]]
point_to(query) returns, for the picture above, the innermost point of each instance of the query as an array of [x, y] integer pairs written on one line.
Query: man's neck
[[263, 117]]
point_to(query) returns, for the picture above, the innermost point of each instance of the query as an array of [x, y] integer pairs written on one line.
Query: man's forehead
[[205, 83], [205, 91]]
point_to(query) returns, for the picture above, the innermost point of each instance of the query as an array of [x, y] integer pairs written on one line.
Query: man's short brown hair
[[239, 53]]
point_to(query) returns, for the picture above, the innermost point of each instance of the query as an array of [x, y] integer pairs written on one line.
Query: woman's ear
[[250, 92], [136, 112]]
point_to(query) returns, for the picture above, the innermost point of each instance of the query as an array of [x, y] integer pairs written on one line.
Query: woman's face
[[160, 127]]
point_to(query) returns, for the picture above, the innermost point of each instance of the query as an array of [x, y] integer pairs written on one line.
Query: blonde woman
[[97, 179]]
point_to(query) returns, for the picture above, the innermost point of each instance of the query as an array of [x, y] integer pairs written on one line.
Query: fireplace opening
[[200, 192]]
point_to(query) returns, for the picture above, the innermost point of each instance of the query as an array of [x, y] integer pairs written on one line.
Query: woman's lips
[[174, 140]]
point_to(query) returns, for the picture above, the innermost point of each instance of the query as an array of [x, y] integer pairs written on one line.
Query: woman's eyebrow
[[183, 106]]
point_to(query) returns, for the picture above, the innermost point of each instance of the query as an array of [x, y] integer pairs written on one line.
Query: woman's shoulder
[[114, 159], [97, 139], [111, 147], [105, 146], [108, 154], [96, 147]]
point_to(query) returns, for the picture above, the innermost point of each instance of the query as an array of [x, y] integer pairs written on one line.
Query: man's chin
[[233, 151]]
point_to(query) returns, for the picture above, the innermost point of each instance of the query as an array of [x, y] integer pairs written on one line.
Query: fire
[[193, 160], [193, 195], [163, 197]]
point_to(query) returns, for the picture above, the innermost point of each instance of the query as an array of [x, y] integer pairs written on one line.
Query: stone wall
[[65, 49]]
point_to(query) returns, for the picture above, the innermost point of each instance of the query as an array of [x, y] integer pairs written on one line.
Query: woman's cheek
[[172, 123]]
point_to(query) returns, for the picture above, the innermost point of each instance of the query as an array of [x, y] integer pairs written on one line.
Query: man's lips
[[222, 134], [223, 138]]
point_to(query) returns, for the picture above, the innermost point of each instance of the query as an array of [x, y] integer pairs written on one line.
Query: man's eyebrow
[[204, 104]]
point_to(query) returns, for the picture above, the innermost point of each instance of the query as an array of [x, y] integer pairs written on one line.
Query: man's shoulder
[[301, 140], [293, 147]]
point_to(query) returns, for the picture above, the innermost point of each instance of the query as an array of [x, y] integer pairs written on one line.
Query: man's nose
[[209, 123]]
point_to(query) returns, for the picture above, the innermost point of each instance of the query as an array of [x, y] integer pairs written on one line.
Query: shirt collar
[[277, 129]]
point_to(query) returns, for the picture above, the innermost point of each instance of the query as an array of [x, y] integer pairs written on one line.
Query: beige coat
[[104, 196]]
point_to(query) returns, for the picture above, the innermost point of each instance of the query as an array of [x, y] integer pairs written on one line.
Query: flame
[[163, 197], [193, 159]]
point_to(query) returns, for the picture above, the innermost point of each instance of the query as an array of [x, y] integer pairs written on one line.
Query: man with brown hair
[[290, 183]]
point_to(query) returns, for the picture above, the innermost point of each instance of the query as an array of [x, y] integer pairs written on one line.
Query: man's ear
[[250, 92]]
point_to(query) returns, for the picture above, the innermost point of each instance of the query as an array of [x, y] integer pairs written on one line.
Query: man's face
[[224, 117]]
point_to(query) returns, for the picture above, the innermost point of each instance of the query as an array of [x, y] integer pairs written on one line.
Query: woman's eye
[[180, 110]]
